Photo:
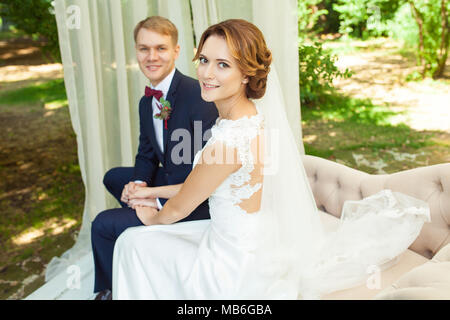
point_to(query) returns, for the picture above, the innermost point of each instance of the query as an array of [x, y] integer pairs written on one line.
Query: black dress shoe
[[104, 295]]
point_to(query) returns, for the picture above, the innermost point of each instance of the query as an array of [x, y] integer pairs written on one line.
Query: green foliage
[[433, 34], [364, 18], [426, 23], [413, 76], [34, 18], [317, 70], [316, 66], [403, 27], [420, 23], [308, 14]]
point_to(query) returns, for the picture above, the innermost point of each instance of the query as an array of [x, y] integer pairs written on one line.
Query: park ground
[[41, 190], [376, 122], [379, 122]]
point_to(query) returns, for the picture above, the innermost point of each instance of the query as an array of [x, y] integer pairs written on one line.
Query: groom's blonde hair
[[248, 47], [160, 25]]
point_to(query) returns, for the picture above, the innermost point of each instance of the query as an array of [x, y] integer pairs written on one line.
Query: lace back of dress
[[241, 140], [247, 182]]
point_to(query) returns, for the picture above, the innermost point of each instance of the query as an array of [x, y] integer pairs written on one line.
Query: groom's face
[[156, 54]]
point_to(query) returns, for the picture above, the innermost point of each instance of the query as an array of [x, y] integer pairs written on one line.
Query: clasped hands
[[142, 199]]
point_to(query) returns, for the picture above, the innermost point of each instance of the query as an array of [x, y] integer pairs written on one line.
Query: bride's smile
[[208, 86]]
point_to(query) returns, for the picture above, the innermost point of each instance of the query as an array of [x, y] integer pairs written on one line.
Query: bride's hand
[[147, 215], [141, 193], [133, 203]]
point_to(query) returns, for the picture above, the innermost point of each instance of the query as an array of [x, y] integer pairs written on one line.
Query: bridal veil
[[294, 245]]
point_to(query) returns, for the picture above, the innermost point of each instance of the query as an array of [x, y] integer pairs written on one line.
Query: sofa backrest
[[333, 183]]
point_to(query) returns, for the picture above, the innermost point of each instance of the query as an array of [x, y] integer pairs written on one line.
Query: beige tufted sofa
[[423, 271]]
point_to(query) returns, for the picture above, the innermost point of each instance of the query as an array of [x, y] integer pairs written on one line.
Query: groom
[[171, 102]]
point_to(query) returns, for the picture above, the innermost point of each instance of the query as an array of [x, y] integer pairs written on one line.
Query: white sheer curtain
[[104, 85]]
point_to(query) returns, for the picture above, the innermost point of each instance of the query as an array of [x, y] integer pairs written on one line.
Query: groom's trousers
[[116, 179], [108, 225], [105, 229]]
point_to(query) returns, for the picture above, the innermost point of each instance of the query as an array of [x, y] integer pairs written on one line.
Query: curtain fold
[[279, 24], [123, 96], [104, 83]]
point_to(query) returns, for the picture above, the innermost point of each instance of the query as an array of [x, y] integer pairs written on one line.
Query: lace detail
[[237, 134]]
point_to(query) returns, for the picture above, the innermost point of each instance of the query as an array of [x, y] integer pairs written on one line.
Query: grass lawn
[[41, 191], [8, 35], [362, 135]]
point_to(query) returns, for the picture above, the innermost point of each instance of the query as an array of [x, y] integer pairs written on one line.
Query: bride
[[264, 239]]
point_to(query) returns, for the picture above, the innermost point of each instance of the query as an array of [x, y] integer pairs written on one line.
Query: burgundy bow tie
[[149, 92]]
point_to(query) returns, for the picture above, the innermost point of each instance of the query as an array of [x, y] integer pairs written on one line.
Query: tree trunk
[[444, 41], [419, 20]]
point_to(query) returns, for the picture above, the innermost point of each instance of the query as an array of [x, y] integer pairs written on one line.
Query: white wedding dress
[[207, 259], [279, 252]]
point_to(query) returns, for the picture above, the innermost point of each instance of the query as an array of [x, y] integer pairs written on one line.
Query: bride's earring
[[245, 80]]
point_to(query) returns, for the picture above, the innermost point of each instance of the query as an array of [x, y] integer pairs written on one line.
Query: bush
[[403, 27], [34, 18], [317, 71], [364, 18], [316, 65]]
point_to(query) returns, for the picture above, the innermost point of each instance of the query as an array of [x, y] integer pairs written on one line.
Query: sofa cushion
[[428, 281]]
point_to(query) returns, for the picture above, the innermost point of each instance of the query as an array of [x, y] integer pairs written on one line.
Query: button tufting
[[429, 253], [440, 186]]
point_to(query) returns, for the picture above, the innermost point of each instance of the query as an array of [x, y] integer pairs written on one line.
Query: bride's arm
[[207, 175], [165, 192]]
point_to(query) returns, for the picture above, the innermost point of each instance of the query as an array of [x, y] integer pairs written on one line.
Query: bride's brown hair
[[247, 45]]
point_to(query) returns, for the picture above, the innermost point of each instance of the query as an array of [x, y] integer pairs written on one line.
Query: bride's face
[[218, 73]]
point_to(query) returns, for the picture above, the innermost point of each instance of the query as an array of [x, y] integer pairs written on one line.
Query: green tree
[[432, 18], [364, 18], [34, 18], [317, 70], [330, 21], [426, 24], [308, 13], [316, 65]]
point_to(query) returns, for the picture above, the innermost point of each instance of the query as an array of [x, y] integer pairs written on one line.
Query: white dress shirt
[[158, 124]]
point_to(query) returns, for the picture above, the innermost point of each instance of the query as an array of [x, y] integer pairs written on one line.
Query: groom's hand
[[129, 188]]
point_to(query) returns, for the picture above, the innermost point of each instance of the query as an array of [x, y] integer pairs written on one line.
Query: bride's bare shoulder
[[247, 110]]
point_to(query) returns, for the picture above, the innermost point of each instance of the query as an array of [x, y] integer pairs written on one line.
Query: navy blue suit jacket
[[187, 108]]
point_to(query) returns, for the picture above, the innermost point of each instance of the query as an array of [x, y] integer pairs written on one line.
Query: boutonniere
[[164, 105], [165, 111]]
